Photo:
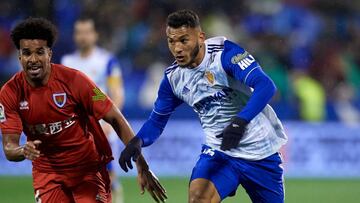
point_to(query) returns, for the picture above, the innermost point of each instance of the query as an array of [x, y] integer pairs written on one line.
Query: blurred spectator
[[102, 68]]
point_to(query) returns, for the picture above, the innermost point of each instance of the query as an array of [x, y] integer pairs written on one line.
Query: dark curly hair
[[185, 17], [34, 28]]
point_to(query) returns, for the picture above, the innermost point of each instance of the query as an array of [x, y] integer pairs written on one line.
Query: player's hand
[[233, 133], [147, 180], [30, 150], [131, 151]]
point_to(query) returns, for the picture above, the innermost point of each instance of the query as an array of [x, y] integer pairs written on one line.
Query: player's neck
[[84, 53], [40, 82], [200, 57]]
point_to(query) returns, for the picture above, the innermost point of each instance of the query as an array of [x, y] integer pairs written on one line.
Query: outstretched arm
[[165, 104], [146, 179]]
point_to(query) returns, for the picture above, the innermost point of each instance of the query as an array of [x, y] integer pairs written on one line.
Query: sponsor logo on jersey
[[24, 105], [59, 99], [244, 60], [210, 77], [51, 128], [238, 57], [99, 95], [216, 99], [2, 113]]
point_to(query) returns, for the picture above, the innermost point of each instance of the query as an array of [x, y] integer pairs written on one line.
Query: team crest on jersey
[[2, 113], [59, 99], [210, 77]]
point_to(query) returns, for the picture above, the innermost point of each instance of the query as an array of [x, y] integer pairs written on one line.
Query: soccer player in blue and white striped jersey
[[227, 88]]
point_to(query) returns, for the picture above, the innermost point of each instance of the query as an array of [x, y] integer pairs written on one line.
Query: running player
[[226, 87], [58, 109]]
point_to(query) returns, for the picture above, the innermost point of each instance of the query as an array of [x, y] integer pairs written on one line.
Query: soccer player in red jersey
[[58, 109]]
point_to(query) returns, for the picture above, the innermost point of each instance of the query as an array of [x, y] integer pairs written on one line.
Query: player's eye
[[40, 52], [184, 41], [25, 53], [171, 41]]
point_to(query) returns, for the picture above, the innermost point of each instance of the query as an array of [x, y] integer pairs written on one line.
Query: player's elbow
[[272, 87], [11, 155]]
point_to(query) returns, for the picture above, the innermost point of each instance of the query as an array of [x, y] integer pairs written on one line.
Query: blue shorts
[[262, 179]]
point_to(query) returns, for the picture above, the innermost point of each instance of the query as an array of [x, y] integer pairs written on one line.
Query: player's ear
[[50, 54], [201, 37]]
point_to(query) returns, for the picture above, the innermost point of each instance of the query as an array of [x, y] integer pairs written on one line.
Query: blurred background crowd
[[310, 48]]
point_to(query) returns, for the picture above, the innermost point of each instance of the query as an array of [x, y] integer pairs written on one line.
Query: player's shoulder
[[217, 41], [14, 82], [233, 52], [13, 86], [64, 73], [170, 69]]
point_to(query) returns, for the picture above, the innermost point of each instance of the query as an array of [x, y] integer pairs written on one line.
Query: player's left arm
[[146, 179], [115, 83], [242, 66], [98, 105]]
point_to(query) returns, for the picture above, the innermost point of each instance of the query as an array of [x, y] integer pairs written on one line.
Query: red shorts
[[86, 187]]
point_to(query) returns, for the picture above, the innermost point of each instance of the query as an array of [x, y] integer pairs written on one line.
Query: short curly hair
[[34, 28], [184, 17]]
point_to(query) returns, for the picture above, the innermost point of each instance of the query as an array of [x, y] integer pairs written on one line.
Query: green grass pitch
[[19, 190]]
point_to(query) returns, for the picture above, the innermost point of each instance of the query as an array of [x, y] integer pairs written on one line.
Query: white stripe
[[163, 114], [249, 74]]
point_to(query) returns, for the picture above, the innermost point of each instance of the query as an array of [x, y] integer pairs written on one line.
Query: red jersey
[[63, 114]]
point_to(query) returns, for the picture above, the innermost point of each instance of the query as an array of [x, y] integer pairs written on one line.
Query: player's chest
[[207, 81], [46, 105]]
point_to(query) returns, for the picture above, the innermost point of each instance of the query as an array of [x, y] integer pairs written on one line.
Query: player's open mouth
[[34, 70], [179, 58]]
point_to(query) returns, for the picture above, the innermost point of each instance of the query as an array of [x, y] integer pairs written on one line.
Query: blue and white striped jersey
[[218, 90]]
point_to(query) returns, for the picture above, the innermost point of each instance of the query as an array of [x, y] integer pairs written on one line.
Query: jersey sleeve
[[10, 121], [165, 104], [95, 102], [113, 68], [242, 66]]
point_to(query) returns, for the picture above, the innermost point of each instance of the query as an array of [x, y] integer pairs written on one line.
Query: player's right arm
[[165, 104], [14, 152], [11, 128]]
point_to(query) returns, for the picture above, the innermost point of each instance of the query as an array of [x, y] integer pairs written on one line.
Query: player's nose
[[33, 58], [178, 48]]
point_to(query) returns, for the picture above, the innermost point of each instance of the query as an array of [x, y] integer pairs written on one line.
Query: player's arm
[[147, 180], [14, 152], [165, 104], [11, 128], [116, 119], [243, 67]]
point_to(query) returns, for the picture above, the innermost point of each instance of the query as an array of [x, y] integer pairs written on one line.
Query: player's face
[[186, 45], [85, 35], [35, 56]]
